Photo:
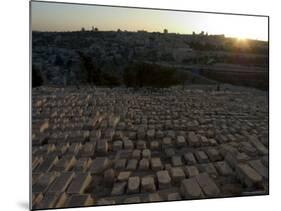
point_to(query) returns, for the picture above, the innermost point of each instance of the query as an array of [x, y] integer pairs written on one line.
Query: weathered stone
[[141, 145], [36, 161], [177, 174], [192, 125], [132, 135], [204, 141], [128, 144], [121, 126], [65, 163], [258, 145], [117, 145], [154, 145], [105, 202], [167, 142], [113, 121], [95, 134], [109, 134], [120, 164], [82, 164], [231, 138], [80, 200], [79, 183], [173, 196], [248, 175], [164, 179], [248, 148], [189, 158], [193, 139], [147, 184], [167, 166], [131, 200], [156, 164], [102, 146], [190, 189], [144, 164], [61, 200], [213, 154], [154, 197], [124, 175], [118, 135], [118, 188], [133, 185], [223, 168], [226, 149], [169, 152], [208, 186], [43, 182], [99, 164], [171, 134], [208, 168], [74, 148], [132, 164], [191, 171], [201, 157], [61, 183], [44, 126], [88, 150], [36, 199], [260, 168], [159, 134], [136, 154], [141, 132], [47, 164], [177, 161], [234, 160], [181, 141], [150, 134], [213, 142], [146, 153], [109, 176], [49, 201], [265, 161]]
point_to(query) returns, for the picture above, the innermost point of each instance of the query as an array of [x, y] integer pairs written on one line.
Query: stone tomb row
[[100, 146]]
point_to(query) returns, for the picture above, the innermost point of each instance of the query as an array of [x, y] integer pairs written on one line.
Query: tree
[[89, 73], [149, 75], [36, 77]]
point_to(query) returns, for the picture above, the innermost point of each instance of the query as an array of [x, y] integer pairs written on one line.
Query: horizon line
[[143, 30]]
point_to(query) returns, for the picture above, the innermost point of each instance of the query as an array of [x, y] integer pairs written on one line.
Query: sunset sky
[[70, 17]]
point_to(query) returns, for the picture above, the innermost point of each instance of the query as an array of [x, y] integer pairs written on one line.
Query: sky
[[70, 17]]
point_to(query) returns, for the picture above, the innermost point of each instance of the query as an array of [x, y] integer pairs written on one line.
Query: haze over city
[[71, 17]]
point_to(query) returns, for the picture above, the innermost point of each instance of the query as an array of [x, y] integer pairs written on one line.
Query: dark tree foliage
[[110, 80], [89, 73], [36, 77], [58, 60], [167, 57], [149, 75]]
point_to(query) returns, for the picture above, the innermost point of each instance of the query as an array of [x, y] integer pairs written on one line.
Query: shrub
[[149, 75], [36, 77]]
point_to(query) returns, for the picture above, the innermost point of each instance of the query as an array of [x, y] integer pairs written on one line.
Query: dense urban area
[[104, 58], [124, 117]]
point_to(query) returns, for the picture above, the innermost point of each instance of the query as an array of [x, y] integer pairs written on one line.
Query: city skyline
[[48, 16]]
